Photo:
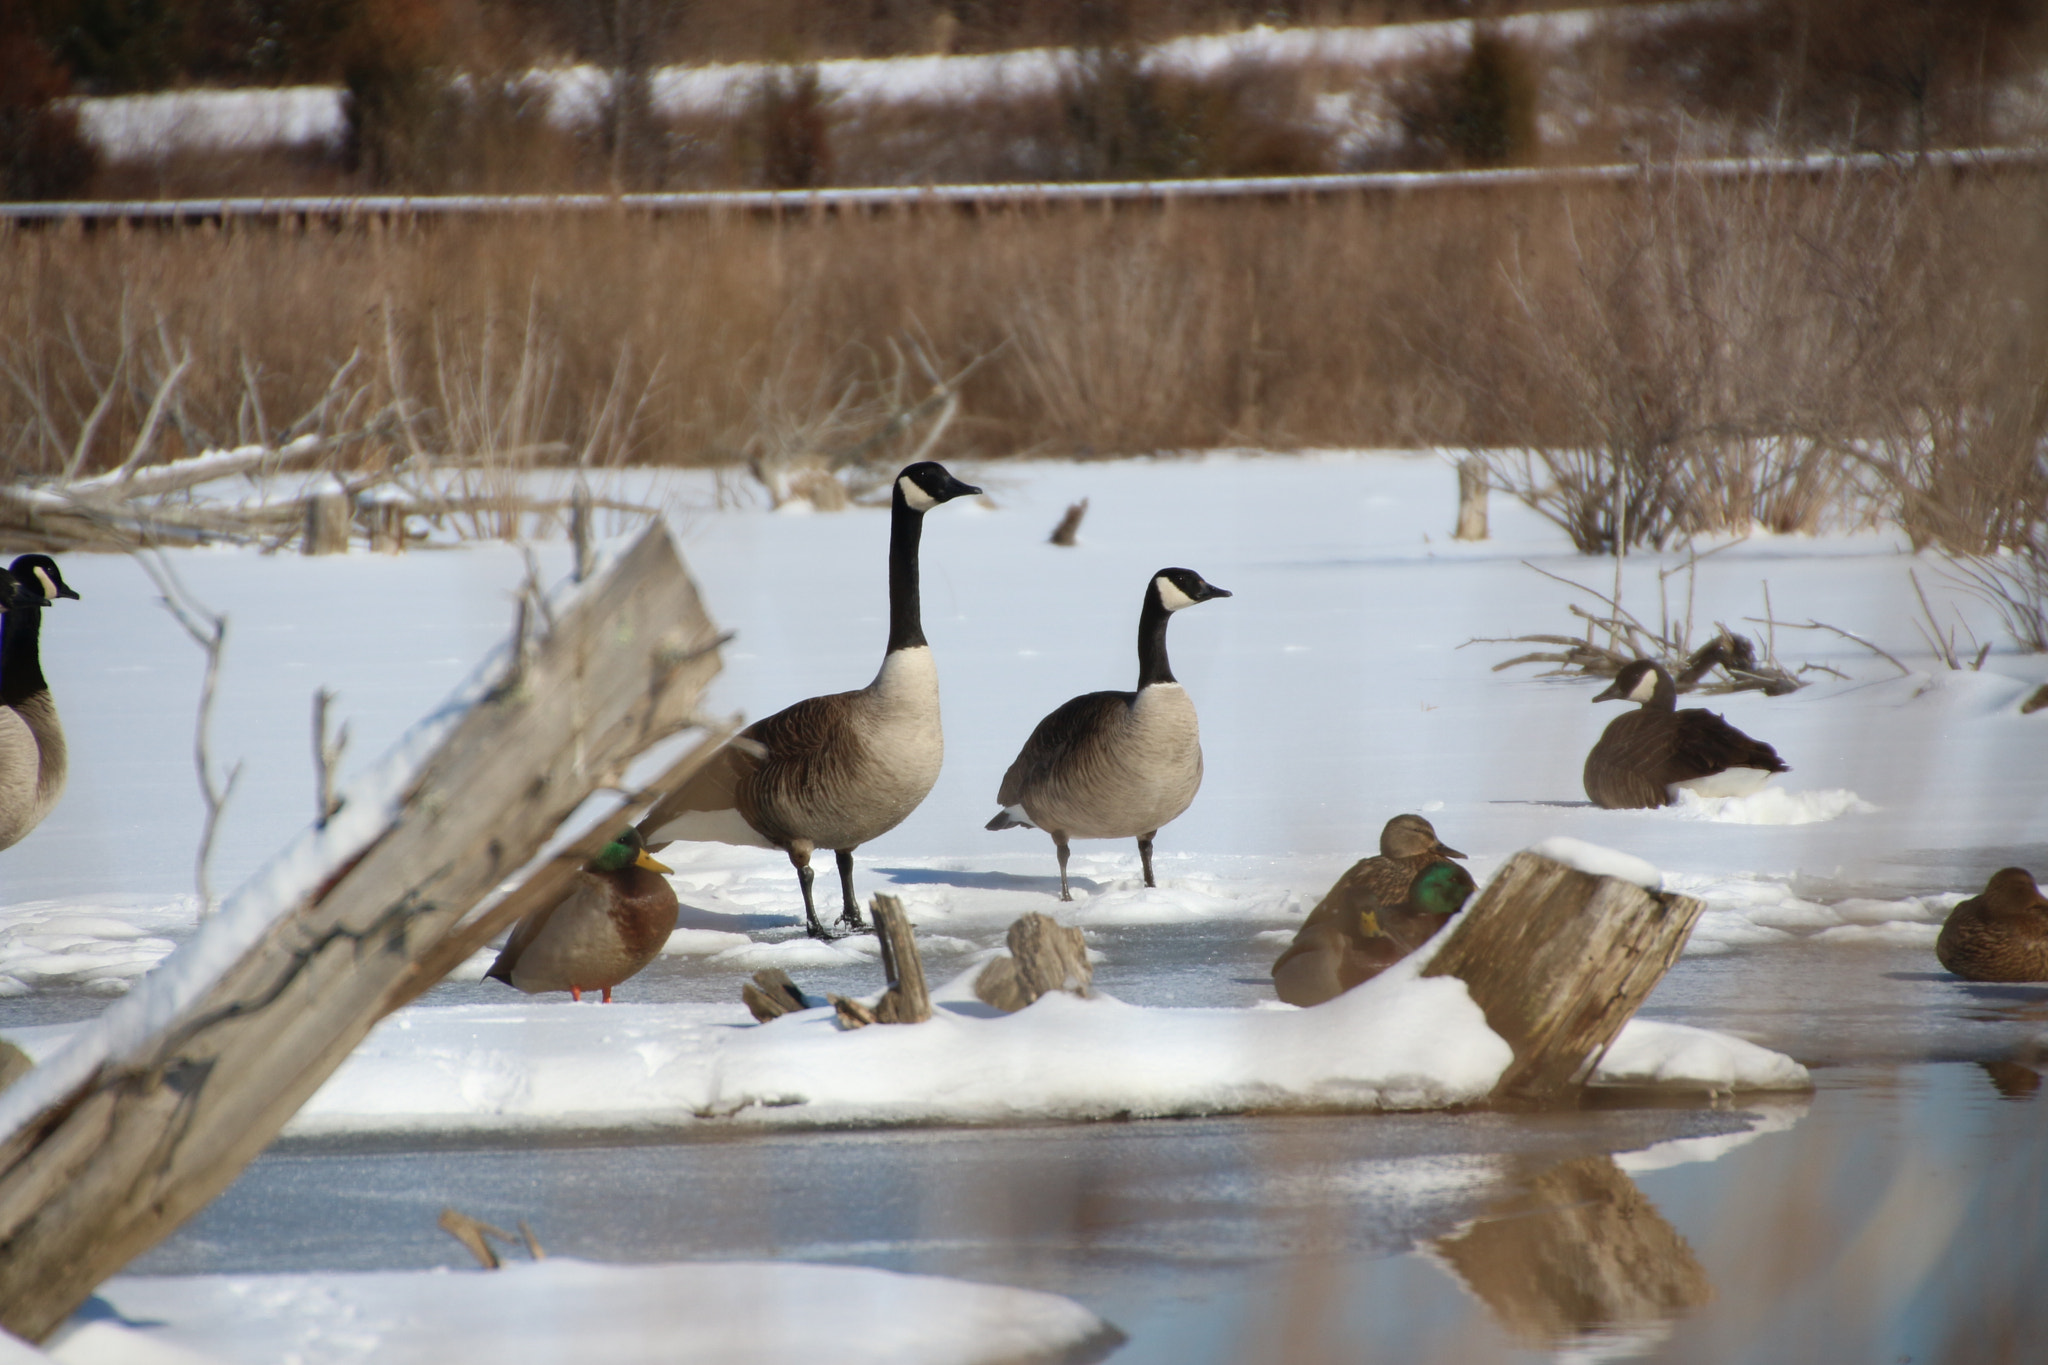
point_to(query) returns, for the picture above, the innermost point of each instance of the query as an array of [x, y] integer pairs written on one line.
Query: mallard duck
[[835, 771], [1644, 756], [2000, 935], [33, 760], [1350, 937], [1408, 844], [1111, 765], [603, 932]]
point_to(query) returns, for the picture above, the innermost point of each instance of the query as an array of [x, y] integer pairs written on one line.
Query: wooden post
[[1045, 956], [1472, 485], [906, 1001], [327, 521], [579, 528], [1070, 524], [1559, 960], [103, 1170]]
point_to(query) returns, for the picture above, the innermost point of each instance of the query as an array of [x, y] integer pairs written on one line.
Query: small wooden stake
[[1070, 524], [906, 1001], [474, 1235], [1559, 960], [1045, 956], [1472, 485], [327, 522]]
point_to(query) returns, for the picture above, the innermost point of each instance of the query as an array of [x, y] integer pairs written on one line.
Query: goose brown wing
[[794, 738], [1703, 743], [1625, 769], [1061, 741]]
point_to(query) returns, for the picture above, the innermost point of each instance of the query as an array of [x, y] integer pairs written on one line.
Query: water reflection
[[1577, 1252]]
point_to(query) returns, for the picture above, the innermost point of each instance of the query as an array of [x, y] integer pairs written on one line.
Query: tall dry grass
[[1675, 357]]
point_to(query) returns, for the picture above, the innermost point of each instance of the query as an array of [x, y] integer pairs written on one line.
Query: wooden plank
[[1559, 960], [113, 1166]]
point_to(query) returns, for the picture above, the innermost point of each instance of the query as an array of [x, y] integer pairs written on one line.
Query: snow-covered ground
[[1334, 689]]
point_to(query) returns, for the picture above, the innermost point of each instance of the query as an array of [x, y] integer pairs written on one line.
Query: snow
[[1771, 806], [1650, 1052], [721, 1313], [1600, 862]]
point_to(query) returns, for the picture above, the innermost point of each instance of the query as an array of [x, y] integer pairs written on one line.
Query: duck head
[[926, 484], [1177, 588], [623, 852], [1643, 681], [1411, 836], [40, 572], [2012, 891]]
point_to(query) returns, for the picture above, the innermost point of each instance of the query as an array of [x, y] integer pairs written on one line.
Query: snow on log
[[154, 1109], [1559, 959]]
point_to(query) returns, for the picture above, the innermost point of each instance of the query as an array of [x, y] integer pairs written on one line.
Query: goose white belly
[[888, 758], [1140, 773], [1727, 782], [32, 766]]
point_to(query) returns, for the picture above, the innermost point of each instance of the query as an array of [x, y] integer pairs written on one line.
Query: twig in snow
[[209, 630], [1846, 635], [326, 758]]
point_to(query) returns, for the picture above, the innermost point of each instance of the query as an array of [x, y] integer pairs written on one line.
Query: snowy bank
[[727, 1313]]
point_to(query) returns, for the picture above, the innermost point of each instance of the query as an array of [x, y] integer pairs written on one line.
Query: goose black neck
[[1152, 664], [906, 525], [21, 666]]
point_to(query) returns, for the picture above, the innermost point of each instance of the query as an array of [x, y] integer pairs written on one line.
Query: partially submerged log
[[117, 1140], [771, 994], [1045, 956], [1560, 960]]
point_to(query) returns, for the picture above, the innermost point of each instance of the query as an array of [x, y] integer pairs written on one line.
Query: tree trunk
[[1559, 960]]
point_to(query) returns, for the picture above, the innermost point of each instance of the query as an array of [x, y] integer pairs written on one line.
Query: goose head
[[926, 484], [1177, 588], [1642, 681], [1411, 836], [40, 572], [623, 852], [1442, 889]]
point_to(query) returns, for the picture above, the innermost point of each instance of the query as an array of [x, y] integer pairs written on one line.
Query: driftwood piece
[[1472, 486], [852, 1014], [474, 1235], [906, 1001], [1045, 956], [1070, 524], [1559, 960], [14, 1064], [771, 994], [110, 1166], [328, 518], [2036, 701], [1578, 1250]]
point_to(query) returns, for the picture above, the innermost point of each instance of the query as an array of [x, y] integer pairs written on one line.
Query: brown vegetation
[[1665, 358]]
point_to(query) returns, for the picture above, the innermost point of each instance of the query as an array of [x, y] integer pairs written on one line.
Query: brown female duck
[[2001, 935]]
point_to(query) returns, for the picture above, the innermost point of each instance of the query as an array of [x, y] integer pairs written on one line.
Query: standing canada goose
[[836, 771], [1352, 937], [32, 756], [1110, 765], [604, 931], [1644, 756], [2001, 935]]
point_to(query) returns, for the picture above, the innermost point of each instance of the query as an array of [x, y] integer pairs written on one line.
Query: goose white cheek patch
[[49, 587], [1645, 688], [919, 500], [1171, 597]]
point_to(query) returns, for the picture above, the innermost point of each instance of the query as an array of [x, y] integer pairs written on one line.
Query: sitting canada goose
[[1352, 937], [32, 755], [603, 932], [1644, 756], [1110, 765], [2001, 935], [835, 771]]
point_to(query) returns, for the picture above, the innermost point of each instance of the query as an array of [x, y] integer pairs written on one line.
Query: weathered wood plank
[[1045, 956], [1559, 960], [154, 1134], [906, 1001]]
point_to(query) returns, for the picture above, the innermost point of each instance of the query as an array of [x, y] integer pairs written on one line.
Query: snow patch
[[1600, 862], [1651, 1052], [1771, 806]]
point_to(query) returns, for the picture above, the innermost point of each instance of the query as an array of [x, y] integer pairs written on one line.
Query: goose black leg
[[801, 861], [1145, 855], [850, 916], [1059, 844]]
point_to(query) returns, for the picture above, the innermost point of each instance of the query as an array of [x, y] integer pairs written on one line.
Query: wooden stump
[[327, 522], [906, 1001], [771, 994], [1045, 956], [1070, 524], [1559, 960], [1472, 485]]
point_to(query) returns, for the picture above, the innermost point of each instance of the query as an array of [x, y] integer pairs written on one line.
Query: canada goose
[[604, 931], [2001, 935], [836, 771], [1352, 937], [1109, 765], [1644, 756], [32, 757]]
